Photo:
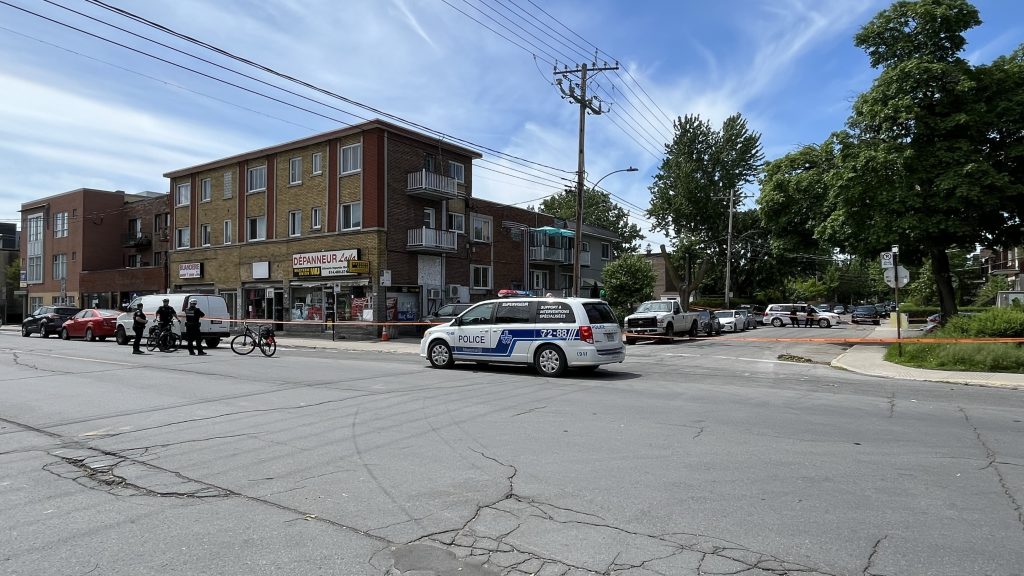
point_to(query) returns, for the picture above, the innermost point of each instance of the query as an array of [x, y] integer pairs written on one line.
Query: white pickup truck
[[661, 318]]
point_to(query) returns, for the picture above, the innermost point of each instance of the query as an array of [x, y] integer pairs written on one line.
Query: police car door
[[472, 338], [513, 330]]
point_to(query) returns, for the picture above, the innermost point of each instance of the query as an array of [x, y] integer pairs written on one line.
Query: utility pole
[[728, 250], [577, 92]]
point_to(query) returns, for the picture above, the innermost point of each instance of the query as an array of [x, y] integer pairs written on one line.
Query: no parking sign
[[886, 259]]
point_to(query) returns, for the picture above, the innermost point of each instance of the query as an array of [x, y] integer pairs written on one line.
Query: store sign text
[[190, 270], [332, 263]]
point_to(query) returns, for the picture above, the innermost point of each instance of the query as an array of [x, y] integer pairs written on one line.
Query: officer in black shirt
[[139, 322], [192, 317], [165, 313]]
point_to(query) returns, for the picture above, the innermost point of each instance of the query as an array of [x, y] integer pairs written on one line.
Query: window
[[34, 249], [481, 276], [295, 171], [480, 314], [351, 158], [428, 217], [133, 260], [159, 258], [74, 256], [182, 194], [430, 163], [181, 238], [229, 185], [257, 228], [540, 279], [205, 190], [135, 228], [60, 266], [204, 234], [457, 222], [606, 251], [227, 231], [314, 218], [318, 159], [295, 223], [514, 313], [481, 228], [60, 225], [35, 269], [352, 216], [257, 179], [585, 247], [161, 222], [457, 171]]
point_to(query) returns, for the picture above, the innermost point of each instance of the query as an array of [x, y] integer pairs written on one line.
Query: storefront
[[328, 287]]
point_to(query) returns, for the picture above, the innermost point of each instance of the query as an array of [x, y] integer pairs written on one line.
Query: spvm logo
[[506, 338]]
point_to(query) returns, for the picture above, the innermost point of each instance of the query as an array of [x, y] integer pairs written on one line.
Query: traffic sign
[[886, 259], [891, 274]]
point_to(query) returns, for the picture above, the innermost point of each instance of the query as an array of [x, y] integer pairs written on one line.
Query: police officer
[[192, 317], [165, 313], [139, 322]]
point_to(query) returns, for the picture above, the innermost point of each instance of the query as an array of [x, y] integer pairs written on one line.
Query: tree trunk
[[944, 282]]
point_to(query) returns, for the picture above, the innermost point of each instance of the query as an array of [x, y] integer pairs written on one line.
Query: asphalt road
[[710, 456]]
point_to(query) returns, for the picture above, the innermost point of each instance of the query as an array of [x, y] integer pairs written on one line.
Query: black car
[[708, 323], [865, 315], [47, 320], [446, 313]]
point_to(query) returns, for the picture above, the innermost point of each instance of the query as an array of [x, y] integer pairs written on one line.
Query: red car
[[91, 323]]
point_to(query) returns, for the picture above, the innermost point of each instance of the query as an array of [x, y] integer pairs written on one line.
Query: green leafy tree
[[628, 281], [808, 289], [12, 274], [987, 294], [598, 210], [795, 197], [690, 194]]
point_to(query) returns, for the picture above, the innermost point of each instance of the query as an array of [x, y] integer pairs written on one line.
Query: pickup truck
[[660, 318]]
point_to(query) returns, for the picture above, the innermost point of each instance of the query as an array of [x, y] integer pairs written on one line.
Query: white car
[[731, 321], [551, 334]]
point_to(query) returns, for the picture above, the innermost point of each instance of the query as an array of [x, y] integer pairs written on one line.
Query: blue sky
[[76, 111]]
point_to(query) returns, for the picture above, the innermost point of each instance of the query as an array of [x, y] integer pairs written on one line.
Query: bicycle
[[163, 338], [249, 339]]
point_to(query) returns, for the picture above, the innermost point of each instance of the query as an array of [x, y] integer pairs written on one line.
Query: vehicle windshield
[[664, 306], [866, 310], [65, 311], [109, 313], [725, 313]]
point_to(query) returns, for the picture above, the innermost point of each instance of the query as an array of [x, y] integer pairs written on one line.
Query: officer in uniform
[[165, 313], [139, 322], [192, 317]]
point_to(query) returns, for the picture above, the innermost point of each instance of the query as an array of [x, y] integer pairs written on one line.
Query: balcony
[[431, 240], [550, 254], [136, 240], [432, 186]]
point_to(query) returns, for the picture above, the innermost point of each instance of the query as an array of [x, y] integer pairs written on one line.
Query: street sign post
[[887, 259]]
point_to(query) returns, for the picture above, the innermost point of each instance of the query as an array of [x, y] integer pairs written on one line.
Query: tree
[[598, 210], [795, 196], [690, 194], [628, 281]]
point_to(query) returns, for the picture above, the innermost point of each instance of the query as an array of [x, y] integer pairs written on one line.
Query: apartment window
[[428, 217], [182, 194], [159, 258], [60, 266], [352, 216], [35, 269], [205, 190], [351, 158], [229, 185], [457, 222], [34, 248], [314, 218], [181, 238], [34, 302], [74, 256], [60, 225], [133, 260], [161, 222], [481, 228], [295, 171], [606, 251], [457, 171], [257, 228], [540, 279], [295, 223], [135, 228], [481, 277], [227, 231], [257, 179], [430, 163], [585, 247], [204, 234], [318, 159]]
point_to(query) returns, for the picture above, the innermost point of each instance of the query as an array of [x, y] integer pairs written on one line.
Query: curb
[[898, 372]]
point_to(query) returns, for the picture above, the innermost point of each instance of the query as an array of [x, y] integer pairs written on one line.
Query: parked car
[[865, 315], [838, 309], [883, 309], [446, 313], [709, 322], [47, 320], [756, 311], [729, 320], [748, 321], [91, 324]]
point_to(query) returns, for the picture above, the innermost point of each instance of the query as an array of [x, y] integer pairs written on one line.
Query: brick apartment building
[[92, 247], [373, 221]]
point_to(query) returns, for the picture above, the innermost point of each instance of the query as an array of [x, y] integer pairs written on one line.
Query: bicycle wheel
[[243, 344], [152, 341], [168, 342], [268, 346]]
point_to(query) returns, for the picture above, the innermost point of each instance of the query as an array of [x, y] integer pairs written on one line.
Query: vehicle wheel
[[64, 334], [89, 336], [878, 322], [777, 322], [630, 341], [25, 331], [710, 331], [440, 355], [43, 332], [268, 347], [670, 330], [120, 337], [550, 361], [693, 330], [243, 344], [212, 342], [824, 323]]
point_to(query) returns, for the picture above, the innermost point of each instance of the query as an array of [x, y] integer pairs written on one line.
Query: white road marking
[[74, 358]]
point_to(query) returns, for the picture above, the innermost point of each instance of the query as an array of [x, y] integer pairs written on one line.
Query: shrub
[[966, 357], [997, 323]]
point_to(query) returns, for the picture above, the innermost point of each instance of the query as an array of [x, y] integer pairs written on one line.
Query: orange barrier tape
[[312, 322], [848, 340]]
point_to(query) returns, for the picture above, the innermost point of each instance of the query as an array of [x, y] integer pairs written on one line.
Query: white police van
[[552, 334]]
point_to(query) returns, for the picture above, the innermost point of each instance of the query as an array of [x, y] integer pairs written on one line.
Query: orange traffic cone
[[384, 337]]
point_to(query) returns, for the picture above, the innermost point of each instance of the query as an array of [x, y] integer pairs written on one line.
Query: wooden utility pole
[[577, 93]]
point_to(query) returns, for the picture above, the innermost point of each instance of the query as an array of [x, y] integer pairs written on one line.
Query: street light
[[578, 244]]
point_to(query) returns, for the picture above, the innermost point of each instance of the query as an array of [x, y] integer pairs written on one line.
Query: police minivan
[[551, 334]]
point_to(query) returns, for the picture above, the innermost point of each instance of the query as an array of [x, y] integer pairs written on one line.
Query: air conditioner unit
[[453, 290], [434, 294]]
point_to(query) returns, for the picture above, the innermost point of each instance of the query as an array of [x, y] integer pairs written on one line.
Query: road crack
[[990, 455]]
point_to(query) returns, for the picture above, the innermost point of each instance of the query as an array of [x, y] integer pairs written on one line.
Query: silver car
[[749, 322]]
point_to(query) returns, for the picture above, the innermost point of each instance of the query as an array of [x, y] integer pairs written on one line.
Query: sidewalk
[[867, 359]]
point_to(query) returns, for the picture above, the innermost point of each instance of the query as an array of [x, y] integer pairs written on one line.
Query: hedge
[[920, 314]]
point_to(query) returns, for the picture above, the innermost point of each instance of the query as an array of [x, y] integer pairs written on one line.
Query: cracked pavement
[[337, 463]]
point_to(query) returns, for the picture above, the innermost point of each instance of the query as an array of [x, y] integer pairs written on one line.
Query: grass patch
[[961, 357]]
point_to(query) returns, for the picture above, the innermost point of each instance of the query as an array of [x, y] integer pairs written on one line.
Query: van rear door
[[607, 335]]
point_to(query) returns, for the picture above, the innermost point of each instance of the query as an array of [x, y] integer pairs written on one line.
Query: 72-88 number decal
[[561, 334]]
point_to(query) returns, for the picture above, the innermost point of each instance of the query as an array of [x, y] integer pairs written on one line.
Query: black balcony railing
[[136, 239]]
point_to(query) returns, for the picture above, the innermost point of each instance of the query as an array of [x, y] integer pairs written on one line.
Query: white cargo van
[[213, 327]]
